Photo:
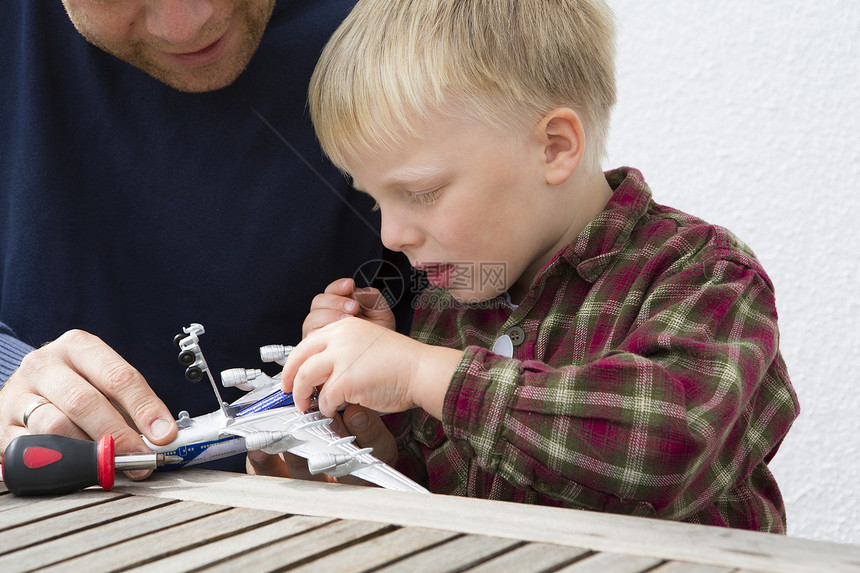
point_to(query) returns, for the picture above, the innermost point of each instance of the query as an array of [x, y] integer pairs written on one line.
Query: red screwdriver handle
[[40, 464], [106, 462]]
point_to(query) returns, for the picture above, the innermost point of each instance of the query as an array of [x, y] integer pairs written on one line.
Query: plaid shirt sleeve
[[649, 382]]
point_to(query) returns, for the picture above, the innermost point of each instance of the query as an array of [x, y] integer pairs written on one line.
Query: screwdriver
[[40, 464]]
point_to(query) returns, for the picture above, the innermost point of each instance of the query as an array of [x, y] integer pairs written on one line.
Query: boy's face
[[191, 45], [468, 204]]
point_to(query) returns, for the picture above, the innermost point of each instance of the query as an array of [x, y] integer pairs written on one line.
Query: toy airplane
[[266, 419]]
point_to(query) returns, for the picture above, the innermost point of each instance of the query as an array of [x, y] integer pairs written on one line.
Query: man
[[157, 167]]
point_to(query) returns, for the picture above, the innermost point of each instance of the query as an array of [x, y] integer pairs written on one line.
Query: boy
[[579, 345]]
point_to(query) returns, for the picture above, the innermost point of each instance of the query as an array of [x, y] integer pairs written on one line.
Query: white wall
[[745, 113]]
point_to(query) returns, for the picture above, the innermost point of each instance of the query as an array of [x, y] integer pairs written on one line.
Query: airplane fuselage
[[201, 441]]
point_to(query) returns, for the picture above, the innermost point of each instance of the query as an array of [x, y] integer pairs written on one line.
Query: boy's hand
[[358, 362], [341, 299]]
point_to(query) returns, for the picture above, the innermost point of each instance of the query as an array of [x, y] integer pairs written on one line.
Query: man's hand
[[89, 390], [341, 299], [365, 425], [354, 361]]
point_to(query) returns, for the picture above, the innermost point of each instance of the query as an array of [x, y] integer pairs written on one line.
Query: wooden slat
[[66, 523], [687, 567], [596, 531], [9, 501], [379, 551], [69, 546], [297, 549], [612, 563], [39, 508], [456, 555], [532, 557], [222, 549], [166, 542]]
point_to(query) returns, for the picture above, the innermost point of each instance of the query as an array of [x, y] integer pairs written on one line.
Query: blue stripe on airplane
[[274, 400]]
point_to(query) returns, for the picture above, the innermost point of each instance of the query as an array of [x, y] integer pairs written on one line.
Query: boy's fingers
[[314, 375], [326, 301], [319, 318], [371, 300], [302, 351], [374, 307], [343, 287], [304, 373], [335, 303], [331, 399]]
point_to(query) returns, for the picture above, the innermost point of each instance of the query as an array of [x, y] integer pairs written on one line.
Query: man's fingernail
[[160, 428], [350, 305], [359, 421]]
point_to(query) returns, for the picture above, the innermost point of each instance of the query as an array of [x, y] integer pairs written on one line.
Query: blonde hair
[[507, 63]]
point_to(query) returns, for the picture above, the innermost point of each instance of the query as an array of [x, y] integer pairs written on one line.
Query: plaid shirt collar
[[599, 243], [603, 238]]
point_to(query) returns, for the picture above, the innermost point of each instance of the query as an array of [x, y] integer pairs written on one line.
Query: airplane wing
[[309, 435]]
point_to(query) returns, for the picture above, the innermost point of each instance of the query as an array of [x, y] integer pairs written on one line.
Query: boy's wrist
[[432, 376]]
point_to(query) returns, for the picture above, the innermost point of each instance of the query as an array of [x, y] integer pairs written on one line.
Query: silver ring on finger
[[32, 408]]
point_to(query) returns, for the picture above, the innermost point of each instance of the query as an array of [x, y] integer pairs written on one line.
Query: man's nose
[[178, 22]]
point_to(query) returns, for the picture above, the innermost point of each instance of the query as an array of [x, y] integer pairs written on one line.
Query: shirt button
[[429, 430], [516, 334], [466, 448]]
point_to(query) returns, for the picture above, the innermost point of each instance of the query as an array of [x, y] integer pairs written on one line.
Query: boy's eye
[[425, 199]]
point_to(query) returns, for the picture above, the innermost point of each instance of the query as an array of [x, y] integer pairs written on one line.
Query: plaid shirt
[[647, 379]]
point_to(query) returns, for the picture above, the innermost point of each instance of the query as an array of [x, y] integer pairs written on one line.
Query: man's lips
[[203, 56]]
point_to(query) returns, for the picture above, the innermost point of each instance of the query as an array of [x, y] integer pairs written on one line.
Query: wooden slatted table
[[204, 520]]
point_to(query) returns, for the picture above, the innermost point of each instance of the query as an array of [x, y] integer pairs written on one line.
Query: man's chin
[[193, 80], [192, 83]]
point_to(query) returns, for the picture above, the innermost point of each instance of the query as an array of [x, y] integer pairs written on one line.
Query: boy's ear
[[563, 140]]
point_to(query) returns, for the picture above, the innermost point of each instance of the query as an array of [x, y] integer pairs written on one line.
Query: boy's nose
[[397, 235], [178, 22]]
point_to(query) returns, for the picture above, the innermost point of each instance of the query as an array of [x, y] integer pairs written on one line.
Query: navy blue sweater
[[129, 209]]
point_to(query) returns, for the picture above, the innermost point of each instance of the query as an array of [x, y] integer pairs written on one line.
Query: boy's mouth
[[438, 274]]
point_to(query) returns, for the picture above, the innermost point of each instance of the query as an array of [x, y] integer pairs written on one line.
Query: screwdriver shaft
[[143, 461]]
